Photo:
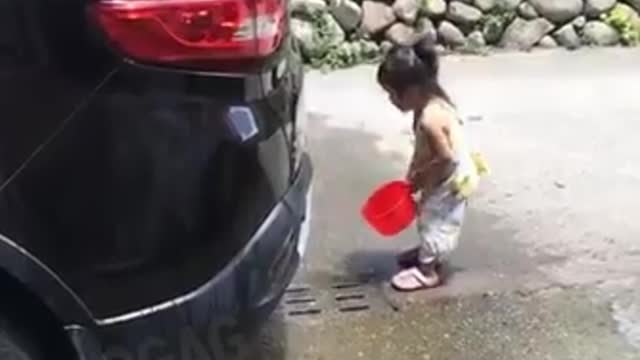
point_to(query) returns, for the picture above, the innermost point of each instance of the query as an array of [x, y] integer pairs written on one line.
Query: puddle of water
[[627, 316]]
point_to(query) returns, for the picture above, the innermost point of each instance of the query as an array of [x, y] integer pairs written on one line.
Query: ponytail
[[427, 54], [418, 65]]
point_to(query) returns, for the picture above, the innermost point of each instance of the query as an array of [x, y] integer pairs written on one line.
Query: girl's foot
[[410, 258], [414, 278]]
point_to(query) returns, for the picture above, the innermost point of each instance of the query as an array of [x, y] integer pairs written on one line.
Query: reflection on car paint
[[222, 341]]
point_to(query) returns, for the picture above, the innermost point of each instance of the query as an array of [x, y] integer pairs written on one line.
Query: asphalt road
[[549, 264]]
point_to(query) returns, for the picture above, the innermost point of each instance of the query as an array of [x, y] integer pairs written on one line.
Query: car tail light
[[192, 31]]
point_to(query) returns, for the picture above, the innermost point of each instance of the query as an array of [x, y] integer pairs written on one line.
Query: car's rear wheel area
[[28, 330], [18, 340]]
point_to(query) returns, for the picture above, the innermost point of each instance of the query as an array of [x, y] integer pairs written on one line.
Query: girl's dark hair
[[406, 66]]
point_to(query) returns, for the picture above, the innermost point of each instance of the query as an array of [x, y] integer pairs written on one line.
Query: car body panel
[[19, 264], [125, 186]]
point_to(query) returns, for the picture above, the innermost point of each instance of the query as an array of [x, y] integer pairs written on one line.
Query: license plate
[[305, 227]]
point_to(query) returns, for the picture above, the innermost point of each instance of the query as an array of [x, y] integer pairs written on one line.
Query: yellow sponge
[[481, 163], [465, 185]]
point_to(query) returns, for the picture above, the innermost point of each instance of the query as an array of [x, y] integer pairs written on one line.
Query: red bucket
[[390, 209]]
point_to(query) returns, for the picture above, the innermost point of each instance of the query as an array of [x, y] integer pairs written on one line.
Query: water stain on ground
[[480, 313], [555, 325]]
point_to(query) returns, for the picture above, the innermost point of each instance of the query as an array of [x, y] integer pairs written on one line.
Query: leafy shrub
[[495, 22], [347, 54], [626, 22], [328, 54], [323, 35]]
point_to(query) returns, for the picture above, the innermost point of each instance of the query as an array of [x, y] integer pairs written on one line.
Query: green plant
[[626, 22], [323, 34], [346, 55], [494, 23], [423, 5], [332, 51]]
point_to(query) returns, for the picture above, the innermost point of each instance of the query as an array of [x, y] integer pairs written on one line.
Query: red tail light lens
[[192, 31]]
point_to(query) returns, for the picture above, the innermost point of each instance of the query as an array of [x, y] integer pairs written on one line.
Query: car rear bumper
[[218, 320]]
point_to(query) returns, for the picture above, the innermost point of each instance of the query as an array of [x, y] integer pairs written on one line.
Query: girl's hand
[[464, 185], [417, 179], [481, 163], [411, 180]]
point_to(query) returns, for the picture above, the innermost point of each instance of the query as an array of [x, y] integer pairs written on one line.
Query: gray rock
[[307, 7], [451, 35], [406, 10], [527, 11], [485, 5], [434, 8], [377, 16], [427, 31], [558, 11], [523, 34], [600, 34], [579, 22], [508, 4], [347, 12], [402, 34], [548, 42], [594, 8], [476, 40], [568, 37], [463, 14], [303, 32]]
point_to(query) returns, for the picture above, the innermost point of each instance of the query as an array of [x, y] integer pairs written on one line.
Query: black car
[[154, 187]]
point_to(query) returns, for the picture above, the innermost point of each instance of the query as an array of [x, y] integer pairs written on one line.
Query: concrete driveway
[[549, 265]]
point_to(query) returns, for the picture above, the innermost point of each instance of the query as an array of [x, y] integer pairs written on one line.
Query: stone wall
[[360, 29]]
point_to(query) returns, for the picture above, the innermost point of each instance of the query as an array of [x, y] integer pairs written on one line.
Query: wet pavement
[[549, 263], [557, 324]]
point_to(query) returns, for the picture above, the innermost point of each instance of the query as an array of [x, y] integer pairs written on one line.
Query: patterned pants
[[440, 219]]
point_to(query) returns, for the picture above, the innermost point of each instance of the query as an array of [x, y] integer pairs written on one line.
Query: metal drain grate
[[346, 285], [304, 312], [297, 289], [299, 301], [296, 301], [339, 296], [354, 308], [353, 301], [349, 297]]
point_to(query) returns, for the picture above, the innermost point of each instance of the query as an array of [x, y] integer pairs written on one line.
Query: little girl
[[442, 173]]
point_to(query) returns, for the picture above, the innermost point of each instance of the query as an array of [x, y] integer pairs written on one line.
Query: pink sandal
[[413, 279]]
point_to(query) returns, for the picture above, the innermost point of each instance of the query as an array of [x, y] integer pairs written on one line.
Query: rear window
[[14, 47]]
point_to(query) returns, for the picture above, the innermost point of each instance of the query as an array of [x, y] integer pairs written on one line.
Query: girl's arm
[[442, 165], [439, 140], [432, 170]]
